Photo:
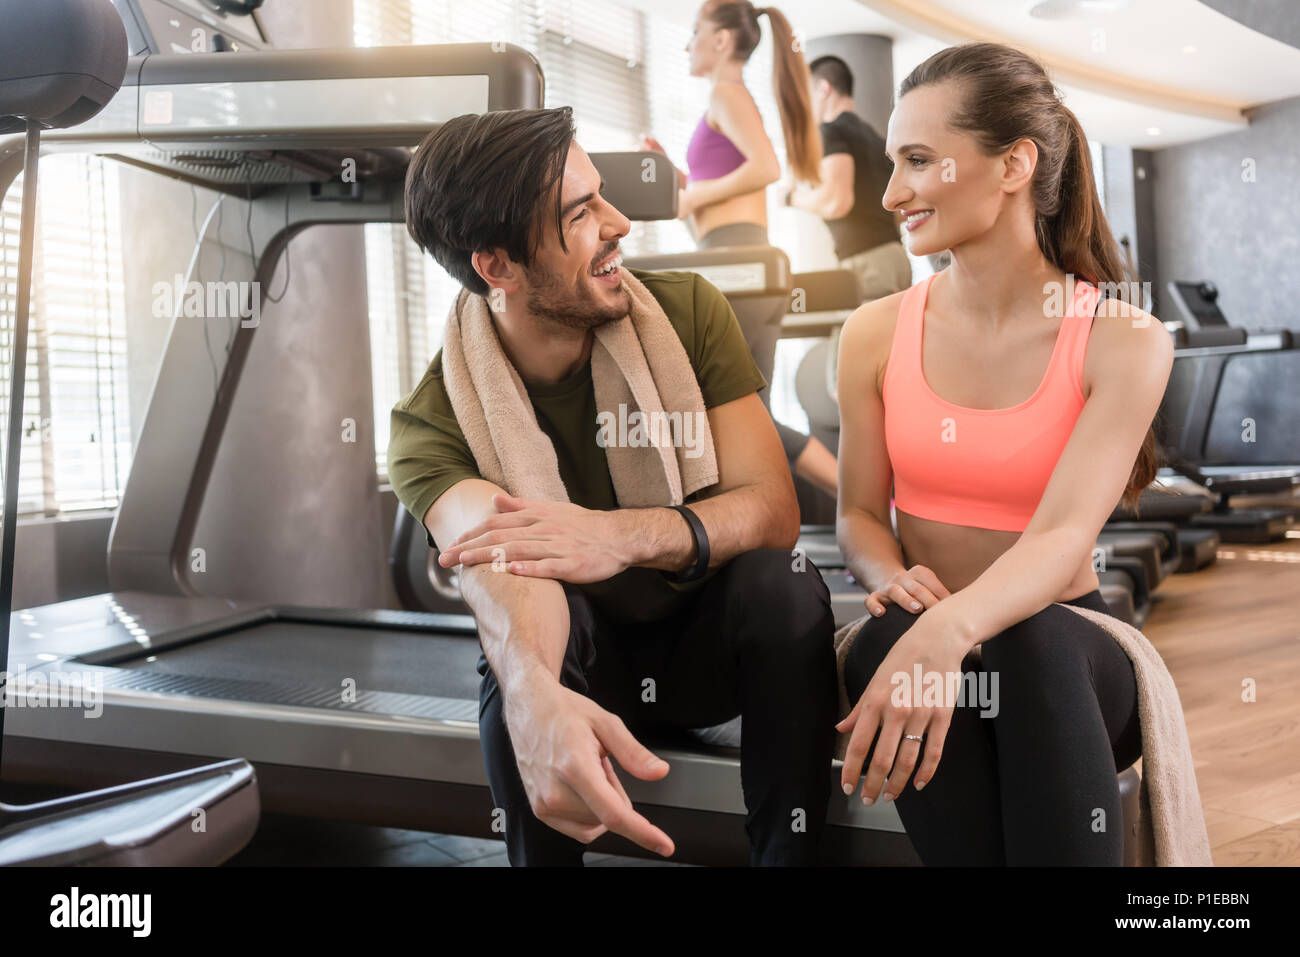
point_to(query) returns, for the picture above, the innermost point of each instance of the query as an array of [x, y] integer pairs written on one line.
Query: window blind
[[76, 445]]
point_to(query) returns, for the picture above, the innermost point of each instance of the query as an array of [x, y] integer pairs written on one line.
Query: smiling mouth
[[609, 268]]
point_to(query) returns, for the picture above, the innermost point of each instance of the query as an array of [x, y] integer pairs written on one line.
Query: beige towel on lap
[[637, 362], [1171, 832]]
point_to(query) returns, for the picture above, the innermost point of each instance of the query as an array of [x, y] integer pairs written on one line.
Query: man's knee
[[780, 610], [775, 585]]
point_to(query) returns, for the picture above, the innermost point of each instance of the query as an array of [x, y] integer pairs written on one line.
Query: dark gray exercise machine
[[1224, 378], [63, 60], [192, 26]]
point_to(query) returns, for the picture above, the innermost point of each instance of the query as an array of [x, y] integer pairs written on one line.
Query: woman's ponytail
[[791, 82]]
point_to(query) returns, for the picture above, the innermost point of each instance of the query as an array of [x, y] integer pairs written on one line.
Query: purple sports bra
[[710, 154]]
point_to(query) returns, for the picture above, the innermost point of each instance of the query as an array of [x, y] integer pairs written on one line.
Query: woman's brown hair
[[790, 79], [1005, 96]]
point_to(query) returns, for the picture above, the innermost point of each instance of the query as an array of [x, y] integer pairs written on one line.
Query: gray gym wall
[[1212, 224], [871, 61]]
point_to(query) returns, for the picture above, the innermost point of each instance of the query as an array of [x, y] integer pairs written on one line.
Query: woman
[[723, 197], [1000, 487]]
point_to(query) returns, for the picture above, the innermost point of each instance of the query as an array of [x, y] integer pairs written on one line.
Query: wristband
[[701, 565]]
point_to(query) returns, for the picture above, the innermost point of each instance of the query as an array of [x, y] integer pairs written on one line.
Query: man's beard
[[551, 299]]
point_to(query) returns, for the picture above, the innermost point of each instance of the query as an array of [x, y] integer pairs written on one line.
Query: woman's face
[[706, 45], [948, 190]]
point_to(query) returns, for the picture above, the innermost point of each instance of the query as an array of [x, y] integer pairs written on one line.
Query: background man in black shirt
[[854, 173]]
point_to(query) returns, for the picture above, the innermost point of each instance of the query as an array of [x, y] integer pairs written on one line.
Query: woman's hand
[[648, 144], [894, 705], [787, 187], [651, 145], [686, 204], [915, 589]]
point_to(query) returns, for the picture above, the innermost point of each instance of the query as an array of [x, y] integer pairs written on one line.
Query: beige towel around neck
[[638, 365], [1171, 829]]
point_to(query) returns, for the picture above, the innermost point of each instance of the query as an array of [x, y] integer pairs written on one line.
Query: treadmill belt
[[300, 655]]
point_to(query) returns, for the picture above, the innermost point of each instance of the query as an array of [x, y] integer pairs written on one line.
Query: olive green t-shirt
[[428, 454]]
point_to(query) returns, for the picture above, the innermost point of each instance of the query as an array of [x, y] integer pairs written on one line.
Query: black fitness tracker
[[701, 565]]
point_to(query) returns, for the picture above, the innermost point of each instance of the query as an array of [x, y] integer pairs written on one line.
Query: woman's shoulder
[[867, 337], [1126, 342], [875, 318]]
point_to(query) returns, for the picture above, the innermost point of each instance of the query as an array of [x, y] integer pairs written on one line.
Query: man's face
[[576, 288]]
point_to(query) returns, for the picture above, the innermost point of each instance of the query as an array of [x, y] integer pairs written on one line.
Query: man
[[588, 634], [854, 175]]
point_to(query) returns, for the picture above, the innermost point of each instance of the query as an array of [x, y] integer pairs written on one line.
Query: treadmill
[[1221, 375], [364, 715], [63, 60]]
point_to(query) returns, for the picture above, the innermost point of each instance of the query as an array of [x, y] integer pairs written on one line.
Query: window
[[76, 445]]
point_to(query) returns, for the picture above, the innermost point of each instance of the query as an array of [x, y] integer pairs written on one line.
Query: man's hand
[[563, 743], [543, 539]]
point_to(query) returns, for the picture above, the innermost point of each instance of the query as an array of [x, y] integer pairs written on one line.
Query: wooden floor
[[1222, 631]]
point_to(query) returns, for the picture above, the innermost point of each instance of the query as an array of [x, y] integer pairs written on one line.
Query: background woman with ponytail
[[1010, 422], [732, 162]]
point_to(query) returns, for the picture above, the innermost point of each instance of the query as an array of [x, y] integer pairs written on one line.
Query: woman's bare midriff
[[746, 208], [958, 554]]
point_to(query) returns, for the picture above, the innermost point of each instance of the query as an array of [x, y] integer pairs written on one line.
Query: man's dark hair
[[835, 72], [479, 181]]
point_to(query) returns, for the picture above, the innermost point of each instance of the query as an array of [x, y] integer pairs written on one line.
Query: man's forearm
[[739, 520], [523, 624]]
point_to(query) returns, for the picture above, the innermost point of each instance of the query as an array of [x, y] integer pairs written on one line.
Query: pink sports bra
[[710, 154], [985, 468]]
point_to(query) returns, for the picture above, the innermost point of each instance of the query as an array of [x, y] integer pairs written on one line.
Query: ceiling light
[[1153, 131], [1189, 49]]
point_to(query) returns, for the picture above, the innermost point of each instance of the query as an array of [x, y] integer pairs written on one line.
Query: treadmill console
[[1197, 303], [192, 26]]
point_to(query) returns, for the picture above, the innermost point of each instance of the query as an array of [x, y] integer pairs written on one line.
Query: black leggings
[[755, 640], [1036, 782]]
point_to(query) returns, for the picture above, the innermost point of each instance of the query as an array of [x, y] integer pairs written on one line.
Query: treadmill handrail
[[236, 770], [144, 111]]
